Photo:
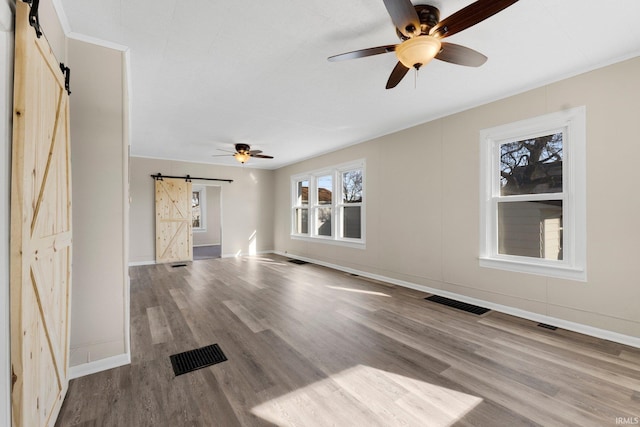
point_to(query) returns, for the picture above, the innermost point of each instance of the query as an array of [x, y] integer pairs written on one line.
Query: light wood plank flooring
[[310, 346]]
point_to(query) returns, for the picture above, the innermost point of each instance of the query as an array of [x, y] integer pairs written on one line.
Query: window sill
[[358, 244], [539, 268]]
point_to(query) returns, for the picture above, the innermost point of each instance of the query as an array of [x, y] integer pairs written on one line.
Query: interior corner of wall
[[62, 16], [95, 352]]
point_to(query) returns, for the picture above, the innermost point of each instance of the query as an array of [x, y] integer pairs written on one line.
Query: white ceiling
[[208, 74]]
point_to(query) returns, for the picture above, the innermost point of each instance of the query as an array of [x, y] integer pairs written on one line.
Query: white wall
[[423, 210], [247, 206], [6, 102], [52, 28], [99, 154]]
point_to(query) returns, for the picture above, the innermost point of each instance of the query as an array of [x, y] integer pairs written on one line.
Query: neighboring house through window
[[323, 205], [328, 205], [533, 196]]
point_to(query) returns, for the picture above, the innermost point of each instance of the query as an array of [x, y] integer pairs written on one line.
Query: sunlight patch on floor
[[363, 395], [359, 291]]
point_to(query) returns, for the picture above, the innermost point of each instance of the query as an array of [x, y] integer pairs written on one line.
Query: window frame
[[316, 205], [298, 204], [572, 122], [202, 190], [340, 205], [336, 205]]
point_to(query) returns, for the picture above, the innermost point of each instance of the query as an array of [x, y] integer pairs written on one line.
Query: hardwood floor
[[310, 346]]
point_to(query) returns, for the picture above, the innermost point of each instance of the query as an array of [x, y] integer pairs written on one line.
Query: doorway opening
[[206, 215]]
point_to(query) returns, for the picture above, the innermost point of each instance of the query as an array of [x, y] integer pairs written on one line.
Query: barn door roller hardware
[[66, 72], [188, 178], [34, 21]]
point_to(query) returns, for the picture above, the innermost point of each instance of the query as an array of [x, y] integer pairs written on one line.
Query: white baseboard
[[99, 365], [560, 323]]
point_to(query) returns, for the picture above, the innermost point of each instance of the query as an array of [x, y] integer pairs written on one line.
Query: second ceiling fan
[[243, 153], [421, 31]]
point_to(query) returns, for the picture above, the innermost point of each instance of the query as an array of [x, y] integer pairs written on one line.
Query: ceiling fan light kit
[[242, 157], [244, 152], [421, 31], [418, 51]]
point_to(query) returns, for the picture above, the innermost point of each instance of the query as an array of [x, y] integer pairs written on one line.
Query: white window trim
[[203, 208], [339, 204], [336, 203], [294, 206], [314, 204], [573, 265]]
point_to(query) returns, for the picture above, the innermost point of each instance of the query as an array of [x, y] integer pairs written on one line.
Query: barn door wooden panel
[[173, 220], [40, 231]]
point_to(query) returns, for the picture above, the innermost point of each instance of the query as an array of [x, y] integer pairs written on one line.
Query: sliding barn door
[[40, 231], [173, 220]]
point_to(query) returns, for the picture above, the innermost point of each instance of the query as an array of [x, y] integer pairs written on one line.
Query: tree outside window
[[352, 204], [527, 226]]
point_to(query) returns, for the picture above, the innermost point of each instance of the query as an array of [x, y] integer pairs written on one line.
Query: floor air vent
[[470, 308], [298, 261], [178, 265], [197, 359], [544, 325]]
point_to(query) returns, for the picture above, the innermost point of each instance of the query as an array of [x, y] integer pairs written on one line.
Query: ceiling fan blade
[[261, 156], [222, 155], [469, 16], [397, 74], [362, 53], [460, 55], [254, 152], [404, 16], [226, 151]]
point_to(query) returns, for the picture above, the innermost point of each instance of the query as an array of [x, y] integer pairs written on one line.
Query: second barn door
[[173, 220]]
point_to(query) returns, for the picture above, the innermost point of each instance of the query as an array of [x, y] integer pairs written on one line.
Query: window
[[301, 207], [533, 196], [323, 205], [351, 204], [328, 205], [197, 209]]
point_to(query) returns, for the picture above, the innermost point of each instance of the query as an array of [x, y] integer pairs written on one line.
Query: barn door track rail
[[188, 178]]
